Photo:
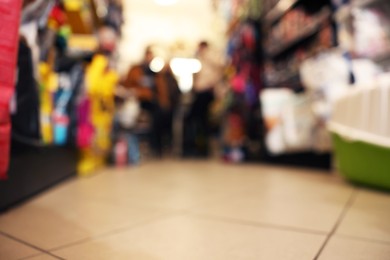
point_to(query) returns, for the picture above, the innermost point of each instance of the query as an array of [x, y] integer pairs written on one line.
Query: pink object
[[121, 152], [238, 83], [9, 28], [85, 130]]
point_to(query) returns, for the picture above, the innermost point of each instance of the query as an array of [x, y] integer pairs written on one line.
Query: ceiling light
[[165, 2], [157, 64], [182, 66]]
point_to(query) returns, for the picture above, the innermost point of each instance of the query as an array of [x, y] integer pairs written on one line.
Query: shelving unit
[[306, 32], [34, 169], [283, 53], [283, 81], [39, 163], [375, 49]]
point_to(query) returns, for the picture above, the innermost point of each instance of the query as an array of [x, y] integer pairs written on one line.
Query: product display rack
[[33, 166], [37, 163], [33, 169], [288, 76], [306, 32]]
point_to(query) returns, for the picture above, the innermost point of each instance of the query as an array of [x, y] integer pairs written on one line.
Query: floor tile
[[49, 226], [173, 186], [295, 200], [11, 249], [369, 217], [185, 237], [344, 248], [42, 257]]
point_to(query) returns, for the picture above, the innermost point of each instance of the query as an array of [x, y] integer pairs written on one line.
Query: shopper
[[198, 128], [174, 95], [152, 92]]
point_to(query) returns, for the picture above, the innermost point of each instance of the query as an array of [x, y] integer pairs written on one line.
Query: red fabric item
[[58, 15], [9, 27], [5, 132]]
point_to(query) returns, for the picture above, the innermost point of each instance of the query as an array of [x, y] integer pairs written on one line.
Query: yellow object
[[89, 162], [83, 42], [100, 84], [49, 84], [73, 5], [52, 24]]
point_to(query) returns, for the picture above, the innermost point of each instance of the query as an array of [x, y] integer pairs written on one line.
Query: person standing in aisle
[[198, 127], [151, 90], [174, 95]]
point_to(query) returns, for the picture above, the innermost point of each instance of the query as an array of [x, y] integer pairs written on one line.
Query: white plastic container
[[360, 127]]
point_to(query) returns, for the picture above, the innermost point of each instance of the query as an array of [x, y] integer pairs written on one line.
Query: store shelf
[[304, 159], [306, 33], [291, 80], [33, 169], [279, 10]]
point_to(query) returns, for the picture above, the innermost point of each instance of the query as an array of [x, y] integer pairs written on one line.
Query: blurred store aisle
[[200, 210]]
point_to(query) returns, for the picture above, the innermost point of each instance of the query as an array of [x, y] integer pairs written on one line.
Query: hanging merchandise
[[114, 17], [372, 37], [9, 27], [294, 101], [98, 112], [48, 86], [363, 30], [289, 121], [25, 116], [75, 82], [241, 126]]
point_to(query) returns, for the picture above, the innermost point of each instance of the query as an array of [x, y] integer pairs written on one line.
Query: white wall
[[188, 21]]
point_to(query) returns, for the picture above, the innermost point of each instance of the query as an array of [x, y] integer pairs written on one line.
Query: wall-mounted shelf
[[303, 35], [292, 80], [307, 32]]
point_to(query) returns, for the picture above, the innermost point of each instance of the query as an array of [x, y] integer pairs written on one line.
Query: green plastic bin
[[362, 162], [360, 128]]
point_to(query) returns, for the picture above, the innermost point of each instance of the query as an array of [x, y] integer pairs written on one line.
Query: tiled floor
[[200, 210]]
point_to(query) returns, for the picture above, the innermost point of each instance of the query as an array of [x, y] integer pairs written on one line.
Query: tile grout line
[[116, 231], [368, 240], [29, 245], [255, 224], [347, 206]]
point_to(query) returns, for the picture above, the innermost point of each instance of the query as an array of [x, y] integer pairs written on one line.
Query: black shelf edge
[[322, 161], [292, 80], [279, 10], [33, 170]]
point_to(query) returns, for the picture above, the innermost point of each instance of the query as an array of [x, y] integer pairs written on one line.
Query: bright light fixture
[[157, 64], [185, 82], [165, 2], [184, 69], [182, 66]]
